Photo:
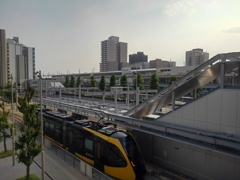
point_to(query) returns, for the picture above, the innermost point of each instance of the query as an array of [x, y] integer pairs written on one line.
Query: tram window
[[78, 141], [114, 157], [70, 138], [46, 125], [51, 126], [88, 144], [58, 131]]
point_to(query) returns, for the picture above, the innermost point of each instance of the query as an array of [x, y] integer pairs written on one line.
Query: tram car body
[[112, 151]]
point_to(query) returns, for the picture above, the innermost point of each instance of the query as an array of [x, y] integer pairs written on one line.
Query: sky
[[67, 34]]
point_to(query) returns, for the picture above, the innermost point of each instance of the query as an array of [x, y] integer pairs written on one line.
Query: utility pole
[[41, 119], [41, 114], [13, 123]]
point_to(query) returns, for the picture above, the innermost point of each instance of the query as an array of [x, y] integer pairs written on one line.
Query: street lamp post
[[16, 97], [79, 93], [41, 119], [13, 123]]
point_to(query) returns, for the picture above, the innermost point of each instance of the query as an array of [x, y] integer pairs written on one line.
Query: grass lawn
[[31, 177], [6, 154]]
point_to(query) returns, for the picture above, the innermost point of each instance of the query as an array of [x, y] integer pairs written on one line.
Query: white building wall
[[196, 57], [30, 63], [112, 51], [16, 49], [175, 71], [21, 69], [216, 112], [123, 52], [12, 61]]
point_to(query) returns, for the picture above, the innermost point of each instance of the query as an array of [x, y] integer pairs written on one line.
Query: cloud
[[232, 30], [185, 6]]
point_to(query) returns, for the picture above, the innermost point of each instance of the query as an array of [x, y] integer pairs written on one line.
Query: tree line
[[138, 82]]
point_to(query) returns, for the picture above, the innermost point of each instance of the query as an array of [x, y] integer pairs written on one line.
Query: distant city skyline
[[67, 35]]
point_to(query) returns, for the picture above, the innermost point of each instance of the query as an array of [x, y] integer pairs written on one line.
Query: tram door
[[99, 154]]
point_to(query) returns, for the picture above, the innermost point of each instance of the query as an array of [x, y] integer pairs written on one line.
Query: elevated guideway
[[214, 68], [201, 138]]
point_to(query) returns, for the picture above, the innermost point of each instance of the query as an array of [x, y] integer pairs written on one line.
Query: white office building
[[196, 57], [21, 61]]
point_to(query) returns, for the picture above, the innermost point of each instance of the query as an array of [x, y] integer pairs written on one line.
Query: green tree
[[102, 83], [172, 79], [72, 81], [79, 81], [154, 82], [67, 83], [27, 147], [112, 81], [123, 81], [139, 82], [6, 92], [102, 86], [198, 91], [92, 81], [4, 125]]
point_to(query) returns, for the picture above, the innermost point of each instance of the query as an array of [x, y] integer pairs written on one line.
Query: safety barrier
[[75, 162]]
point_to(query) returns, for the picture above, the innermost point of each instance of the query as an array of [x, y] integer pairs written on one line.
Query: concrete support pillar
[[222, 78], [194, 93], [146, 93], [79, 93], [104, 92], [60, 93], [115, 99], [137, 96], [173, 97]]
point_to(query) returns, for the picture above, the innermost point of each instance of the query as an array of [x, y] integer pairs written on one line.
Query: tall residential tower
[[21, 60], [113, 54]]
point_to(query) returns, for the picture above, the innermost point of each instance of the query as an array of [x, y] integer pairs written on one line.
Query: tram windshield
[[133, 152]]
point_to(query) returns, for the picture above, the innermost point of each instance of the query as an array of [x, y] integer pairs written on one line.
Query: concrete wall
[[216, 112], [194, 161]]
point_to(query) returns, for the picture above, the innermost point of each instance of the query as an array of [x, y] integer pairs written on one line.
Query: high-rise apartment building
[[21, 61], [196, 57], [113, 54], [3, 59]]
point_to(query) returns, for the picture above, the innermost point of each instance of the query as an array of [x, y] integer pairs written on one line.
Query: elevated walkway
[[216, 67]]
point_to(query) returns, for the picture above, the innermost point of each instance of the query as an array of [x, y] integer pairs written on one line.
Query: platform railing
[[86, 169]]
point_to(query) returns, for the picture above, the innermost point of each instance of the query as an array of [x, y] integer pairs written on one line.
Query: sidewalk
[[55, 167]]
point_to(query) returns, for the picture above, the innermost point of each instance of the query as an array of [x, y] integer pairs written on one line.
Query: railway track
[[17, 116]]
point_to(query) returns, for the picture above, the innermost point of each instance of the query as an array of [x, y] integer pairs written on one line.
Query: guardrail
[[76, 162]]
